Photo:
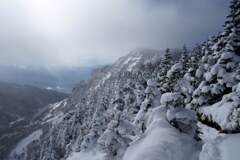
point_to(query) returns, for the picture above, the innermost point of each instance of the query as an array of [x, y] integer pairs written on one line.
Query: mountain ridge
[[191, 102]]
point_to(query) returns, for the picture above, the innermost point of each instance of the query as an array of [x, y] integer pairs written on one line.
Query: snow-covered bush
[[172, 100], [183, 119]]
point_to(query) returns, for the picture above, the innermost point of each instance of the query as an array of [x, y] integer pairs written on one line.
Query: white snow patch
[[224, 113], [12, 123], [126, 62], [176, 67], [92, 154], [170, 97], [108, 75], [59, 88], [54, 107], [225, 147], [207, 133], [161, 141], [135, 62], [49, 88], [56, 119], [22, 145]]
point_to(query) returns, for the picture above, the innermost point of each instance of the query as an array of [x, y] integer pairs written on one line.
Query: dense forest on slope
[[148, 105], [20, 106], [21, 101]]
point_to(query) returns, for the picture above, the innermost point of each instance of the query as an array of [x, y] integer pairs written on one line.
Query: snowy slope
[[225, 147], [92, 154], [161, 141], [21, 147], [141, 108]]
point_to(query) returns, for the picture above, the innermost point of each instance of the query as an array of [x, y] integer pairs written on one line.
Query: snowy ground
[[224, 147], [218, 146], [161, 141], [22, 145], [92, 154], [55, 116], [12, 123]]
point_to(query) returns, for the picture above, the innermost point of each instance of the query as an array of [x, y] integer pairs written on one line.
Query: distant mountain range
[[22, 101], [20, 108], [60, 79]]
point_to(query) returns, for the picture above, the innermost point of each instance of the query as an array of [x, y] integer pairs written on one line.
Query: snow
[[175, 67], [170, 97], [224, 113], [22, 145], [108, 75], [49, 88], [104, 79], [216, 68], [224, 147], [181, 113], [18, 120], [56, 119], [227, 55], [126, 62], [135, 62], [208, 76], [230, 147], [92, 154], [58, 104], [55, 115], [207, 133], [59, 88], [151, 82], [238, 88], [206, 89], [161, 141]]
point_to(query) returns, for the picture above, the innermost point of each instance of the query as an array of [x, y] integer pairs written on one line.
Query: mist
[[63, 33]]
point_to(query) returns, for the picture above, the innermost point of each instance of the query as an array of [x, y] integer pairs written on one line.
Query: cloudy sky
[[90, 32]]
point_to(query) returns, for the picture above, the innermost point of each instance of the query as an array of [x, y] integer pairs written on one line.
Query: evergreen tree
[[174, 75], [130, 106], [218, 79], [184, 58], [140, 95], [114, 141], [191, 80], [152, 100], [98, 125], [165, 65]]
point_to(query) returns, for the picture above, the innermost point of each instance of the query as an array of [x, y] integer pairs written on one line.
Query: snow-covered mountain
[[61, 79], [149, 106], [20, 108]]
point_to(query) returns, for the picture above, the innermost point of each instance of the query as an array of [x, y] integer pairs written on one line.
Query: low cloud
[[90, 32]]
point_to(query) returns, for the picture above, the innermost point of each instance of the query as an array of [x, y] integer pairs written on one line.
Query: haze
[[60, 33]]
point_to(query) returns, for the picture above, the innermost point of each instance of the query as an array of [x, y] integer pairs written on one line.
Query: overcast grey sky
[[90, 32]]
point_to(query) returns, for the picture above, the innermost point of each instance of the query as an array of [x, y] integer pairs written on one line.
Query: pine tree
[[184, 58], [98, 125], [118, 101], [191, 79], [217, 79], [165, 65], [166, 62], [152, 100], [174, 75], [130, 106], [232, 27], [140, 95], [177, 115], [114, 141]]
